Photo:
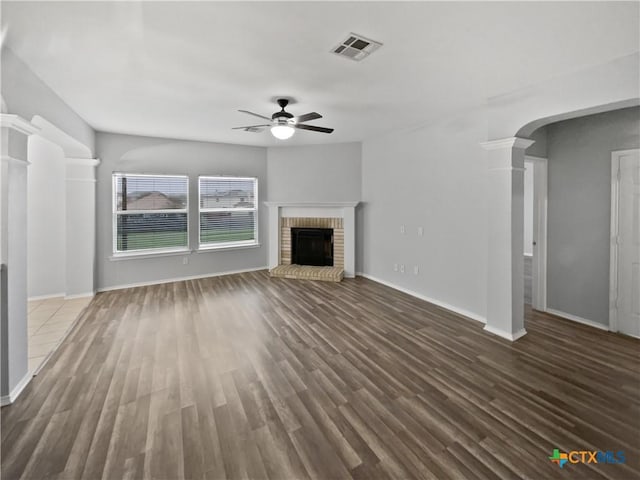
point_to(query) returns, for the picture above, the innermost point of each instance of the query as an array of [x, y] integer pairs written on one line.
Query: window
[[150, 213], [228, 211]]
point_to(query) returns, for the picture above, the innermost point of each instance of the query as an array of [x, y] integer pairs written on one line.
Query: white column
[[13, 256], [80, 226], [274, 234], [349, 225], [505, 282]]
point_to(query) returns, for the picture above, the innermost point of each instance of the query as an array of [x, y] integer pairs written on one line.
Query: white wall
[[133, 154], [315, 173], [80, 227], [46, 229], [433, 177], [528, 208]]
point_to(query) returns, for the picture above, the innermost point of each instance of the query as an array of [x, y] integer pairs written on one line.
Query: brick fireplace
[[289, 223], [338, 217]]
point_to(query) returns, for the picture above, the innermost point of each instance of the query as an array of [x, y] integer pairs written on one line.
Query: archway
[[582, 202], [512, 118]]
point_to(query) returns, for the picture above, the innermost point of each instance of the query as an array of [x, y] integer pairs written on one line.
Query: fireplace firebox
[[312, 246]]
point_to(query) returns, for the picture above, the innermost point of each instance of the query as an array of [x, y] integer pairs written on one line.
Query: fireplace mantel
[[344, 210]]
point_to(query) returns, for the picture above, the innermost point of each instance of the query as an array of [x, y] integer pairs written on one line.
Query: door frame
[[539, 263], [614, 237]]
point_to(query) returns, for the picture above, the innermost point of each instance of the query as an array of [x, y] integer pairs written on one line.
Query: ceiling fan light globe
[[282, 132]]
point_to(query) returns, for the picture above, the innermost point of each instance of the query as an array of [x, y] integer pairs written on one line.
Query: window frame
[[234, 244], [115, 213]]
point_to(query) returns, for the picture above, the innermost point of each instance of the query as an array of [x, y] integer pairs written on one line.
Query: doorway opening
[[535, 232], [624, 274]]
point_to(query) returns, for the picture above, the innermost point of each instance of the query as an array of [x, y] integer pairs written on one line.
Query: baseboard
[[45, 297], [575, 318], [459, 311], [79, 295], [17, 390], [61, 295], [180, 279], [512, 337]]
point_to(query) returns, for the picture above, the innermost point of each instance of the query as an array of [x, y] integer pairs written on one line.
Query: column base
[[512, 337]]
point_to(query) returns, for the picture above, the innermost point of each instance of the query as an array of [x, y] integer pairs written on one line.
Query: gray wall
[[26, 95], [125, 153], [315, 173], [432, 177], [579, 209]]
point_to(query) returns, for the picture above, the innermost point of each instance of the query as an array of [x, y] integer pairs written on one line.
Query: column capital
[[85, 162], [509, 142], [81, 169], [17, 123]]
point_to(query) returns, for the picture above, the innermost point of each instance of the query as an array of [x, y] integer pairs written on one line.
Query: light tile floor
[[49, 321]]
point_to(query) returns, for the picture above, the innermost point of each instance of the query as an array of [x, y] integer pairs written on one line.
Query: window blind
[[228, 210], [150, 212]]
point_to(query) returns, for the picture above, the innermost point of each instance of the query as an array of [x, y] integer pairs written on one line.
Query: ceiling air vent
[[356, 47]]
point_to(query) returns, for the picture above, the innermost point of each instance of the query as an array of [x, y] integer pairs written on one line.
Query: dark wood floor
[[250, 377]]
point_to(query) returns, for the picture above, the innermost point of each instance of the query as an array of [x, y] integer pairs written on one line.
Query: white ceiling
[[182, 70]]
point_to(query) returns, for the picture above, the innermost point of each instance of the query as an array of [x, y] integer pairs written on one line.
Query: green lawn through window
[[228, 236], [146, 240], [149, 240]]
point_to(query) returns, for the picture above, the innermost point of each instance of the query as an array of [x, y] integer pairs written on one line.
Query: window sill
[[116, 257], [215, 248]]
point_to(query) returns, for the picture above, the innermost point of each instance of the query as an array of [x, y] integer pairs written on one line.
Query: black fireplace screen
[[312, 246]]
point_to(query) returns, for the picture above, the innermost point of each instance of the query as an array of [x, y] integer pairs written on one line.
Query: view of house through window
[[228, 207], [150, 212]]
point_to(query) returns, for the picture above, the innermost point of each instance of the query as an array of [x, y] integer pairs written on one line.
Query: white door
[[538, 221], [628, 295]]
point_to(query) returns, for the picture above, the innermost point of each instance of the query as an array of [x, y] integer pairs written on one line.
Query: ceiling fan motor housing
[[282, 116]]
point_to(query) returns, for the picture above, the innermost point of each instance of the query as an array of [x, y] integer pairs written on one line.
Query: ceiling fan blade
[[255, 114], [307, 117], [251, 126], [314, 128]]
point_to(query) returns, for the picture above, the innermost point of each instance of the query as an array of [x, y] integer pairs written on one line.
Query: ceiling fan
[[283, 124]]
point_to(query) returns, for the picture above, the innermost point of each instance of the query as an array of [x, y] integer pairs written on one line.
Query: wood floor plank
[[247, 376]]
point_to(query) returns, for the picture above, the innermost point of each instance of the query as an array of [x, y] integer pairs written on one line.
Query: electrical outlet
[[185, 260], [395, 267], [401, 268], [416, 270], [420, 231], [402, 229]]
